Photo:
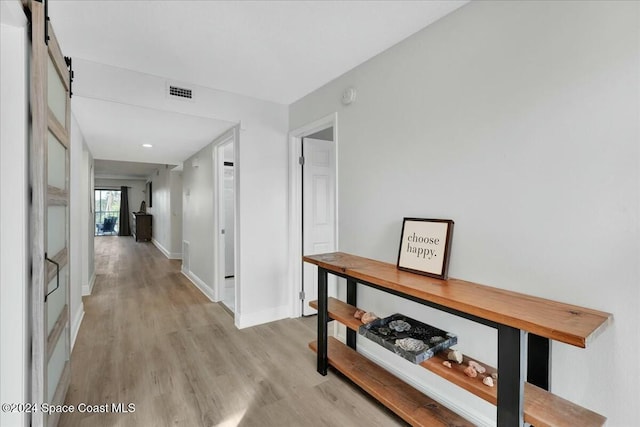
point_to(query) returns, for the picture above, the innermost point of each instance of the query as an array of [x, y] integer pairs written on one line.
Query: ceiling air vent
[[180, 92]]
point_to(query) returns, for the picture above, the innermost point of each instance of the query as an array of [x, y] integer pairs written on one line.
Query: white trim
[[231, 136], [261, 317], [75, 325], [165, 252], [200, 284], [295, 204], [430, 390], [88, 288]]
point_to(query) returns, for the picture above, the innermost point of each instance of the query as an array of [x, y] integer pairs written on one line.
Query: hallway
[[150, 338]]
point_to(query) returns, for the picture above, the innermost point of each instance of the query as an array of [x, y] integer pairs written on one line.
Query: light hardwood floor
[[150, 338]]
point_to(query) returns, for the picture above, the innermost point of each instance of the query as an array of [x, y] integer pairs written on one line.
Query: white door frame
[[232, 135], [295, 203]]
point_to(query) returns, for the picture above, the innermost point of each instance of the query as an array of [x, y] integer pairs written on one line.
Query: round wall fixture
[[348, 96]]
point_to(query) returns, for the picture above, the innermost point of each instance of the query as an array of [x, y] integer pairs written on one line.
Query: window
[[107, 212]]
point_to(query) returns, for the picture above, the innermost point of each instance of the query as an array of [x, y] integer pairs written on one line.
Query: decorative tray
[[407, 337]]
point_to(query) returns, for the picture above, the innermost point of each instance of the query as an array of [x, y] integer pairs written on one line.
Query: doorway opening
[[107, 212], [226, 251], [313, 206]]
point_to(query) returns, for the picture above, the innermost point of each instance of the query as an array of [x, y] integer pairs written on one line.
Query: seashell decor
[[411, 344], [488, 381], [456, 356], [399, 325]]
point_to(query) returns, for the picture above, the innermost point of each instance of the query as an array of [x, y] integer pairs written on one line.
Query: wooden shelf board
[[456, 375], [541, 407], [341, 311], [550, 319], [545, 409], [410, 404]]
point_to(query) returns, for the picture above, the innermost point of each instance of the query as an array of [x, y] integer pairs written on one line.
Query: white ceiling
[[117, 131], [277, 51], [272, 50]]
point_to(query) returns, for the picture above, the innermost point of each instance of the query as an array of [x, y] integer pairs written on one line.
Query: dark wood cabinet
[[141, 226]]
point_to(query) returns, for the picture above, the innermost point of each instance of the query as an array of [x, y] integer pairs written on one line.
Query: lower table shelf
[[541, 408], [410, 404]]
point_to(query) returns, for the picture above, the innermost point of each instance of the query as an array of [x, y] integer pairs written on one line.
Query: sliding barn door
[[49, 222]]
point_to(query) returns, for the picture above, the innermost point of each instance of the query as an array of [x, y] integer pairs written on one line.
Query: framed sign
[[425, 245]]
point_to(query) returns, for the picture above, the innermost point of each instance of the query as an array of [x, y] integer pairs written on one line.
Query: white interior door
[[318, 211], [49, 222], [225, 201], [229, 213]]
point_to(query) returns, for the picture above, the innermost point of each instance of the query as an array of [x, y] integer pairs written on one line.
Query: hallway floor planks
[[149, 337]]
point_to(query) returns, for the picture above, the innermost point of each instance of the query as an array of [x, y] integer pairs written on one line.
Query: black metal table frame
[[515, 348]]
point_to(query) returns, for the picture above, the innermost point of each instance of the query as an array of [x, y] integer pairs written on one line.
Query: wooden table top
[[558, 321]]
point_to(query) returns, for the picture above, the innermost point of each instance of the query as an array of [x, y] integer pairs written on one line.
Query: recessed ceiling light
[[147, 145]]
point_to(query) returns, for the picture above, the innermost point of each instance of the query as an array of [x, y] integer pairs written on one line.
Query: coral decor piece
[[470, 372], [368, 317], [478, 367], [358, 314], [447, 364]]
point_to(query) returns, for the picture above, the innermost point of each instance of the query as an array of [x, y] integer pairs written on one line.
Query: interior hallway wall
[[88, 227], [263, 159], [81, 275], [165, 223], [14, 214], [519, 121], [175, 190]]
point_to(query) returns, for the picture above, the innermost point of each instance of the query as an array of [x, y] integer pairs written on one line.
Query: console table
[[141, 226], [525, 324]]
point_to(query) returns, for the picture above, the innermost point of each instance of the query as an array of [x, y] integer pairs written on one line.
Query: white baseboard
[[200, 284], [165, 252], [75, 325], [264, 316], [88, 288]]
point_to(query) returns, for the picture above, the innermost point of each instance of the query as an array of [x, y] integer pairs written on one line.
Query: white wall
[[82, 223], [175, 192], [88, 224], [261, 173], [167, 211], [161, 209], [518, 120], [14, 246], [197, 219], [78, 215]]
